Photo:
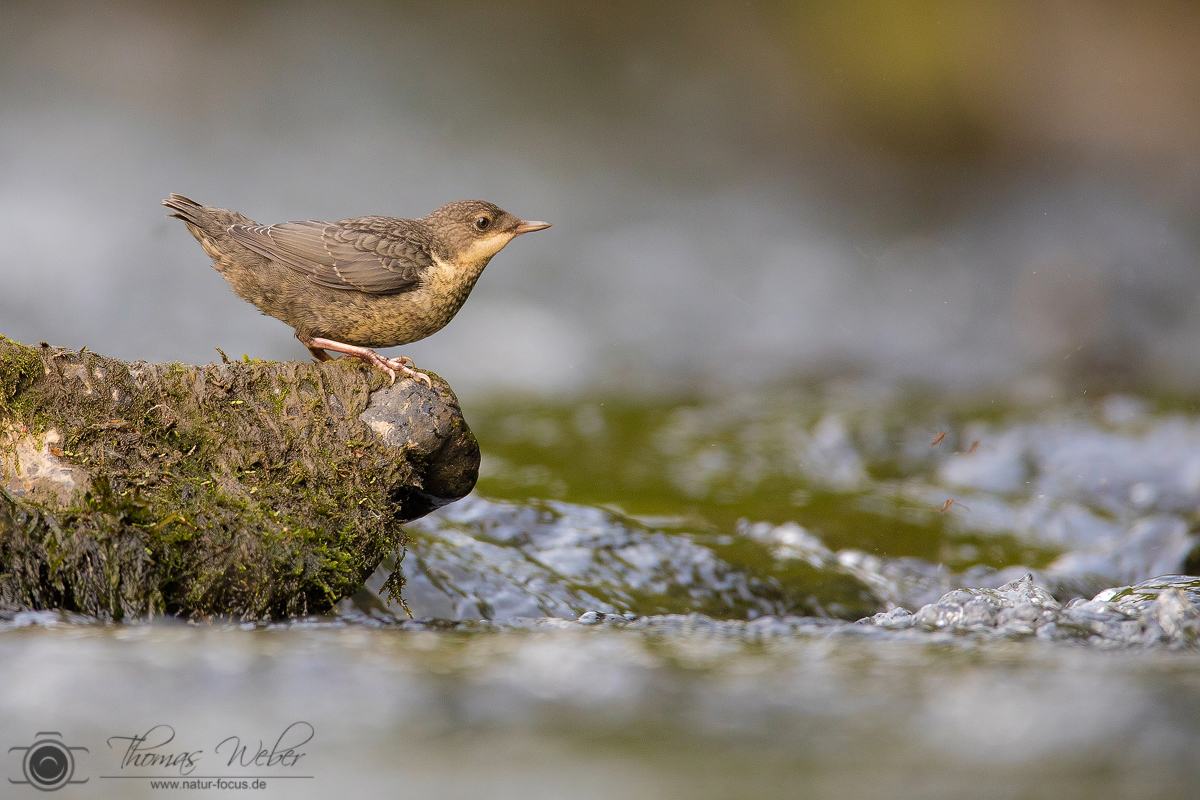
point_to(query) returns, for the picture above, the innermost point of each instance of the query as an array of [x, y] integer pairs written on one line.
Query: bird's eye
[[482, 223]]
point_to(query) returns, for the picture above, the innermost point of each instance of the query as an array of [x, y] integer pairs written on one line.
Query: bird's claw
[[417, 375], [401, 364], [405, 364], [400, 361]]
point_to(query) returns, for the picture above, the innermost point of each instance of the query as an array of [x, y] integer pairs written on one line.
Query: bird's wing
[[377, 255]]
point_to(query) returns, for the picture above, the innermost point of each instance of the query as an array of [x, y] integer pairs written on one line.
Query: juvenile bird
[[360, 283]]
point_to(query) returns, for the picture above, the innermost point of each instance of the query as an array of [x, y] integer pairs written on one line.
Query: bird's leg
[[389, 365]]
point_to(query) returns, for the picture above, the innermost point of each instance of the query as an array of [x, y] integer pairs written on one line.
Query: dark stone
[[429, 427]]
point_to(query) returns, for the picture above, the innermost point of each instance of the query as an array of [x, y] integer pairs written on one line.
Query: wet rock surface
[[1164, 612], [245, 489], [1161, 611], [488, 559], [1061, 516]]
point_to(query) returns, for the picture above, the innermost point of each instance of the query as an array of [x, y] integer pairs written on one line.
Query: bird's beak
[[528, 227]]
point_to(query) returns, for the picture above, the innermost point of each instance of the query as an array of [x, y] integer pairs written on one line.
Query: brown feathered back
[[377, 255]]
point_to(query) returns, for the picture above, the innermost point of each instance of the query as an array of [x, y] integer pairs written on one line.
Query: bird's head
[[471, 231]]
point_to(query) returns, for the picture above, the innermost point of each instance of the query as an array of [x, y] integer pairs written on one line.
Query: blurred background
[[964, 194]]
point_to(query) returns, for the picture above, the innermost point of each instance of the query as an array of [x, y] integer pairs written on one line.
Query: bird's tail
[[214, 222], [185, 209]]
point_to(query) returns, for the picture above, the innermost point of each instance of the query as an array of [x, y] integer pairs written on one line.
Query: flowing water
[[751, 595]]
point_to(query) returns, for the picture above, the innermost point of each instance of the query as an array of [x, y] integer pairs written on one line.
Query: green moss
[[20, 366], [217, 490]]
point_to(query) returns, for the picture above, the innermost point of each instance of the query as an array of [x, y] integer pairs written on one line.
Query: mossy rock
[[245, 489]]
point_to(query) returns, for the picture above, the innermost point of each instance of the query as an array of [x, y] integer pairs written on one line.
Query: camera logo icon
[[48, 764]]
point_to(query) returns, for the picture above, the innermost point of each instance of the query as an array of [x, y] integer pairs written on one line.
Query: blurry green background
[[965, 194]]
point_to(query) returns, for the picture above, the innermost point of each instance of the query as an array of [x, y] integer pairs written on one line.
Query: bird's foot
[[390, 366]]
